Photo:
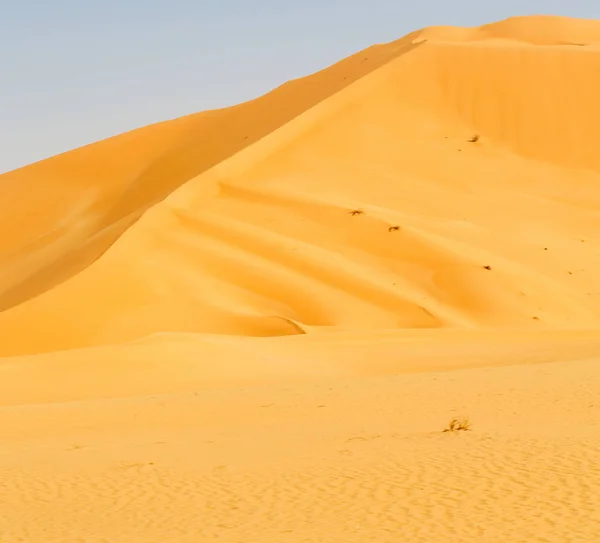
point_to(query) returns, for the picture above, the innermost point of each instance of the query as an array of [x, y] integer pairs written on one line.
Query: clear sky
[[76, 71]]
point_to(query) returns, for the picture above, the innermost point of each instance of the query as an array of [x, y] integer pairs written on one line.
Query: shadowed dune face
[[257, 237]]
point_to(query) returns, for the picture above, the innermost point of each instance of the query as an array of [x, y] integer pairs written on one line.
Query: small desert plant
[[393, 228], [474, 138], [356, 212], [458, 424]]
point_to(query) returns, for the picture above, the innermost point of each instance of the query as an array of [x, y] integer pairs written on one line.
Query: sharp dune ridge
[[255, 323]]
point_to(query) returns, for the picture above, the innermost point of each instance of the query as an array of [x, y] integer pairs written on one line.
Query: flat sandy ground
[[255, 324], [349, 460]]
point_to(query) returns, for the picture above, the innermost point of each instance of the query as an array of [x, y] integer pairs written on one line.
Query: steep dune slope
[[497, 233], [60, 214]]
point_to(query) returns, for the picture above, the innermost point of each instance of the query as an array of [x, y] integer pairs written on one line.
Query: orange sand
[[200, 342]]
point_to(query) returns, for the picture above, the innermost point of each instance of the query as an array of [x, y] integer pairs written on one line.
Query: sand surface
[[254, 324]]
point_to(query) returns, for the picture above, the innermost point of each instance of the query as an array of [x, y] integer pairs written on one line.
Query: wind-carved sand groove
[[419, 258], [308, 261], [200, 341]]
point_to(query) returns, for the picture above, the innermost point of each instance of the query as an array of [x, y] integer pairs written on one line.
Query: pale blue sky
[[76, 71]]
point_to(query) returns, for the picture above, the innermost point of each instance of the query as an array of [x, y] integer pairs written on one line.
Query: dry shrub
[[458, 424]]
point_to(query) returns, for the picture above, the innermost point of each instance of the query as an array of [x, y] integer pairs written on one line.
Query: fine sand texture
[[254, 324]]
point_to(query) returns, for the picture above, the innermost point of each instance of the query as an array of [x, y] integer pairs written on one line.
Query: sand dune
[[83, 200], [427, 205]]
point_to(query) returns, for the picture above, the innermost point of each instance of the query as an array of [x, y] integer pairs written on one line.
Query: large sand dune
[[203, 321]]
